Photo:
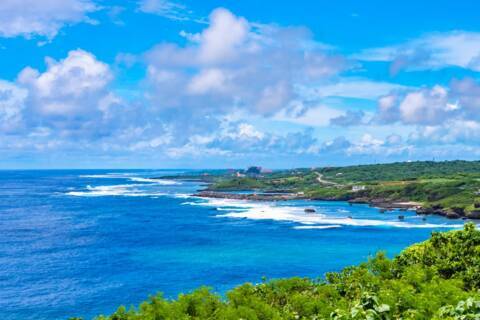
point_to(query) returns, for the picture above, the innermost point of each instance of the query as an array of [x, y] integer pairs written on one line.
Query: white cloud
[[273, 97], [241, 139], [425, 106], [244, 131], [387, 108], [76, 85], [208, 80], [43, 18], [159, 141], [353, 88], [370, 145], [168, 9], [249, 131], [465, 96], [431, 51], [233, 63], [223, 38], [197, 151], [432, 106], [451, 132], [12, 103]]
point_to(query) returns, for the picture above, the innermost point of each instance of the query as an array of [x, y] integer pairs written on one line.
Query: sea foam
[[243, 209], [126, 190], [159, 181]]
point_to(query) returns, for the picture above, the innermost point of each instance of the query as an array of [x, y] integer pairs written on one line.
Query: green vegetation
[[401, 171], [449, 187], [436, 279], [239, 184]]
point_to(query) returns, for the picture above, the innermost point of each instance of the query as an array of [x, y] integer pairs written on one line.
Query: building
[[253, 171], [358, 188]]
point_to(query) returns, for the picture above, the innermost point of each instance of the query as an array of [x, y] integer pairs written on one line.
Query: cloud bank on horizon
[[155, 83]]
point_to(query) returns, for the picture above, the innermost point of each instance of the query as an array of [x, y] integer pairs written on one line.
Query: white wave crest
[[182, 196], [126, 190], [158, 181], [129, 177], [297, 215], [101, 176], [333, 226], [243, 209]]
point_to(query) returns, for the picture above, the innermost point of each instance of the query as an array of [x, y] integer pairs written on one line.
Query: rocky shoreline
[[382, 204]]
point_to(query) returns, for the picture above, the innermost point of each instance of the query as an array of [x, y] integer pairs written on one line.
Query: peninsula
[[448, 188]]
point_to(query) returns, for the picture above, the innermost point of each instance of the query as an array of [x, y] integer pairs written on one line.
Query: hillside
[[450, 188]]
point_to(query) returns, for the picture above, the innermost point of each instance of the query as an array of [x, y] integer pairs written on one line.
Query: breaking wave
[[165, 182], [126, 190], [243, 209], [143, 186], [333, 226]]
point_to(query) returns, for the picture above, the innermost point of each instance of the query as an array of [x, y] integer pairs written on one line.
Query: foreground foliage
[[436, 279]]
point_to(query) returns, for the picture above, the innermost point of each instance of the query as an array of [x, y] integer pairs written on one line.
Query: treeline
[[436, 279], [401, 170]]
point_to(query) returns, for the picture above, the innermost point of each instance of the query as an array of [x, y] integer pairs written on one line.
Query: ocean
[[82, 242]]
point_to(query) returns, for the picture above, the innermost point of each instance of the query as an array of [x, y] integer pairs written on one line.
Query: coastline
[[382, 204]]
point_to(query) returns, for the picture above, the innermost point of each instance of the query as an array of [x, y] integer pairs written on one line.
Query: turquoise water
[[80, 243]]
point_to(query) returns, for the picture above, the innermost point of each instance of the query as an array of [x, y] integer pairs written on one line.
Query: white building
[[358, 188]]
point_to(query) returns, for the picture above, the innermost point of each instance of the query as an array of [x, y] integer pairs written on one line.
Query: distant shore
[[382, 204], [448, 188]]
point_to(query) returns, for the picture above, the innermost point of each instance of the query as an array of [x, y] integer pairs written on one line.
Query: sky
[[228, 84]]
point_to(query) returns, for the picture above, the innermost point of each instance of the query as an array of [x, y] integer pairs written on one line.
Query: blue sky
[[190, 84]]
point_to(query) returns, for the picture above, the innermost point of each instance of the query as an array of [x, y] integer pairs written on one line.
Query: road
[[326, 182]]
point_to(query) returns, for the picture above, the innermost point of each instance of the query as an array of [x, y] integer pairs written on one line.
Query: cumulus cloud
[[42, 18], [431, 106], [431, 51], [70, 92], [440, 115], [230, 66], [366, 145], [269, 74], [392, 145], [225, 36], [12, 103], [241, 139], [71, 100], [425, 106], [233, 63], [452, 132], [387, 108], [466, 94]]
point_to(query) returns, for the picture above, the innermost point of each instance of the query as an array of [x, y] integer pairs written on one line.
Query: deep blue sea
[[83, 242]]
